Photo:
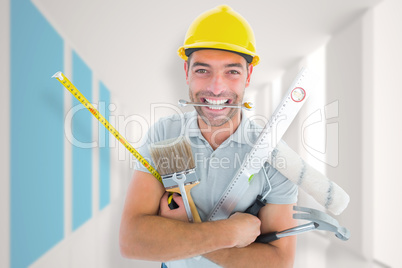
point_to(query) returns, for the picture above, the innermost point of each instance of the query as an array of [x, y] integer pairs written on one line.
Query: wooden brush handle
[[193, 208]]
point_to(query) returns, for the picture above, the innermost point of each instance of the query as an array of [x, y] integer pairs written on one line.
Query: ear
[[250, 71], [186, 70]]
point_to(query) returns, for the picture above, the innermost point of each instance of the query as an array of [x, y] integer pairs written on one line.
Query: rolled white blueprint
[[323, 190]]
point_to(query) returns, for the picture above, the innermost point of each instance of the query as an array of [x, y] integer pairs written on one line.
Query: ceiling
[[132, 44]]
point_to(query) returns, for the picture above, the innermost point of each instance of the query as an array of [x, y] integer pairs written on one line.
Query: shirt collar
[[192, 126], [240, 135]]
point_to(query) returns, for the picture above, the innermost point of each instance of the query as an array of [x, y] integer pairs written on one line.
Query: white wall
[[362, 68], [387, 132], [345, 84], [348, 77]]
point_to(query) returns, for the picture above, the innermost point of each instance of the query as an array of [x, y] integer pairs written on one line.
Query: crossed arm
[[151, 231]]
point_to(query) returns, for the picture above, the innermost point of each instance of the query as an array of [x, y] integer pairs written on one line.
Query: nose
[[217, 85]]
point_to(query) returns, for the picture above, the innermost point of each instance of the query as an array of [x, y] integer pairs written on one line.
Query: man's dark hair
[[189, 56]]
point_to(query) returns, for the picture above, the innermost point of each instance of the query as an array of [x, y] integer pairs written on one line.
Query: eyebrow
[[195, 64], [234, 65]]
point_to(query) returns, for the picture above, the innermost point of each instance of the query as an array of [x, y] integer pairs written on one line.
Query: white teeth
[[216, 101]]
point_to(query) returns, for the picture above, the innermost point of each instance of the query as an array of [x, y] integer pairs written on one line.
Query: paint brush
[[174, 161]]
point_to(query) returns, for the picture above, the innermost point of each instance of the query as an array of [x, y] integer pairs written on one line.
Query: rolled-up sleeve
[[283, 191]]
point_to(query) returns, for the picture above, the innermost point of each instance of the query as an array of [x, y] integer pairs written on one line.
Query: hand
[[175, 214], [245, 228]]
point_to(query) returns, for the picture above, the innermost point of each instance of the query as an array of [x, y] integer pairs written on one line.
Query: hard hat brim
[[217, 45]]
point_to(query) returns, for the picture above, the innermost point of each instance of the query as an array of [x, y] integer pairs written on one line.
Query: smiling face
[[217, 77]]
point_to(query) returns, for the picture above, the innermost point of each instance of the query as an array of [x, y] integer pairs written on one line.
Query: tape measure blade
[[80, 97]]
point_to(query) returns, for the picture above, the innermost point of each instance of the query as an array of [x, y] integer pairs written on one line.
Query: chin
[[217, 118]]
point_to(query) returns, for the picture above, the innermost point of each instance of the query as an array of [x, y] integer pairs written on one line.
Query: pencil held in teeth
[[218, 104], [323, 190]]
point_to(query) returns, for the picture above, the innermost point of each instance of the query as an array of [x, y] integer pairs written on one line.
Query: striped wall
[[5, 135], [82, 147], [36, 136], [38, 150]]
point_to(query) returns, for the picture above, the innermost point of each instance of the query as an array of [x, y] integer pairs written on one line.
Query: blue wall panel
[[37, 135], [104, 149], [82, 151]]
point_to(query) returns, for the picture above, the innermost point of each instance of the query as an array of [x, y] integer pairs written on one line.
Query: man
[[219, 54]]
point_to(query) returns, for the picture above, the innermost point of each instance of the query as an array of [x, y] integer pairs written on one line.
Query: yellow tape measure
[[78, 95]]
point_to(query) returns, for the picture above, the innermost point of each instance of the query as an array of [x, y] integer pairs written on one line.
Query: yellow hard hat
[[220, 28]]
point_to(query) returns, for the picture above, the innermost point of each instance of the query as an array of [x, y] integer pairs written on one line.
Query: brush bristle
[[171, 156]]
